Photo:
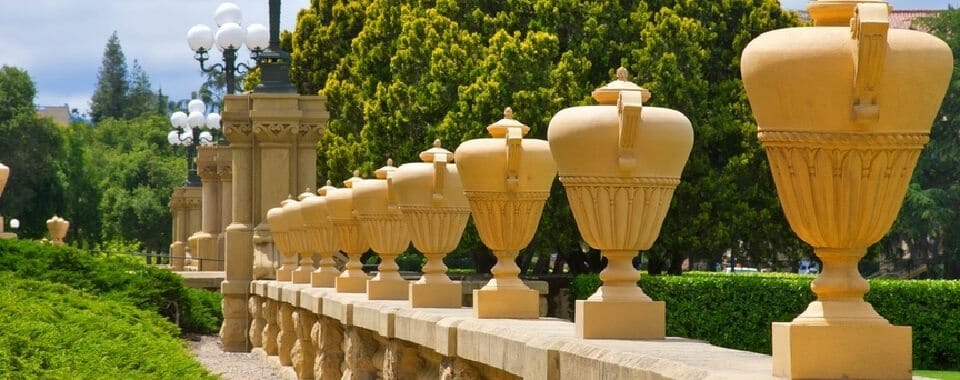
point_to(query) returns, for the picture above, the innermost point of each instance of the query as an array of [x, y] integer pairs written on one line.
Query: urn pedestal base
[[388, 289], [506, 303], [440, 295], [284, 275], [7, 235], [351, 284], [842, 351], [620, 320], [301, 276], [324, 279]]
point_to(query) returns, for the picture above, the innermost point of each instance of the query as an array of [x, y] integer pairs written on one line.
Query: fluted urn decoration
[[321, 237], [352, 242], [57, 227], [381, 221], [436, 211], [279, 222], [619, 191], [507, 180], [302, 233], [843, 110]]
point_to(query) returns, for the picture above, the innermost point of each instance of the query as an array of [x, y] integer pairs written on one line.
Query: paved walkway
[[231, 365]]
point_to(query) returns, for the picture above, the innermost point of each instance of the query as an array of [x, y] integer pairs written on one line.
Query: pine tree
[[140, 99], [112, 83]]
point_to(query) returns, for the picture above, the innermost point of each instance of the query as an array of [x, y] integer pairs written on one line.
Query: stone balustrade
[[317, 333]]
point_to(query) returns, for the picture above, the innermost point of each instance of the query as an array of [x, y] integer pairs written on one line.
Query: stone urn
[[57, 227], [436, 211], [507, 180], [381, 221], [301, 232], [620, 162], [843, 110], [321, 237], [279, 222], [351, 241]]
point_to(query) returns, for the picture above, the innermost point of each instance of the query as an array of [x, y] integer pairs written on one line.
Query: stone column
[[327, 334], [287, 336], [225, 174], [271, 330], [185, 210], [257, 322], [304, 352], [271, 137], [207, 246]]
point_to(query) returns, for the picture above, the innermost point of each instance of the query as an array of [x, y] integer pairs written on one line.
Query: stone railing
[[317, 333]]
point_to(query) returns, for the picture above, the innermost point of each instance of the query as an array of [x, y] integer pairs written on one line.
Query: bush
[[118, 277], [736, 311], [51, 331]]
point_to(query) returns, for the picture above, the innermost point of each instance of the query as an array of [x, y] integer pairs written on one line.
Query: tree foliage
[[122, 92], [398, 74]]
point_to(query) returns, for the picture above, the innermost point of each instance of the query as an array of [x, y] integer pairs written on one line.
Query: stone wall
[[316, 333]]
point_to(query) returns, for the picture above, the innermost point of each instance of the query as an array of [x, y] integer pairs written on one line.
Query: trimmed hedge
[[50, 331], [736, 311], [118, 277]]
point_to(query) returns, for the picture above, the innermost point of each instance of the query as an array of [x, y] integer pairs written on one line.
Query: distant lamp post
[[14, 224], [229, 38], [188, 132]]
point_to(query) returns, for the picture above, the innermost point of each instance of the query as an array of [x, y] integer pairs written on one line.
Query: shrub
[[51, 331], [736, 311], [118, 277]]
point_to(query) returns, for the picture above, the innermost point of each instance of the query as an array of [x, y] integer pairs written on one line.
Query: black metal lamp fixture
[[229, 38]]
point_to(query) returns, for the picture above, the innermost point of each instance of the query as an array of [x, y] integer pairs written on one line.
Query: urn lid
[[610, 93], [382, 172], [350, 181], [499, 129], [326, 188], [429, 154], [288, 200], [305, 194], [836, 12]]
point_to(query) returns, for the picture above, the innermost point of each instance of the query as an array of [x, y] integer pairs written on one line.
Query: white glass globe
[[172, 138], [178, 119], [213, 121], [227, 13], [200, 37], [196, 105], [196, 119], [230, 36], [258, 37], [187, 137], [206, 138], [14, 223]]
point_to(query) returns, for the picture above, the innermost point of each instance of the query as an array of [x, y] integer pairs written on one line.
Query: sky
[[60, 42]]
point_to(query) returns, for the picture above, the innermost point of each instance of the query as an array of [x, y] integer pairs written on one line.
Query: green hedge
[[736, 311], [50, 331], [118, 277]]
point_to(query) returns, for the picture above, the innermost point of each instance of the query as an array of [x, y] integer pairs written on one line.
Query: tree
[[399, 74], [109, 98], [140, 99], [16, 92]]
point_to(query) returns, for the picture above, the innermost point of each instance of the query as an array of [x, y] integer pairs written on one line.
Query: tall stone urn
[[321, 237], [436, 211], [352, 242], [302, 233], [843, 110], [620, 162], [381, 221], [507, 180], [279, 223], [57, 227]]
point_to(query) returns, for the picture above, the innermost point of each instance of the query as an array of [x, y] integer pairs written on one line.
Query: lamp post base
[[596, 319], [506, 303], [447, 295], [842, 351]]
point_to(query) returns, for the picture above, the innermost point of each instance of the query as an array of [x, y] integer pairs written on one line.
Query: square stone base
[[853, 351], [323, 279], [388, 289], [284, 275], [506, 303], [351, 284], [440, 295], [620, 320], [7, 235], [300, 277]]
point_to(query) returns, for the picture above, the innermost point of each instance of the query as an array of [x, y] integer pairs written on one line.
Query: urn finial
[[499, 129], [622, 74], [382, 172], [609, 93], [356, 177], [429, 154]]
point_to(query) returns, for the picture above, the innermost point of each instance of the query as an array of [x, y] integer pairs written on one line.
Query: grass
[[941, 375]]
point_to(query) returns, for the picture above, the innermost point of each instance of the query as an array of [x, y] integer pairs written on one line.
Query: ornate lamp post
[[187, 132], [230, 36]]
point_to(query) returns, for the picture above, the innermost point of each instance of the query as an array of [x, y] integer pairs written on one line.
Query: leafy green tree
[[112, 83], [16, 92], [398, 74]]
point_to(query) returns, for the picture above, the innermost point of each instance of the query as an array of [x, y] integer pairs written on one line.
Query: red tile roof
[[899, 19]]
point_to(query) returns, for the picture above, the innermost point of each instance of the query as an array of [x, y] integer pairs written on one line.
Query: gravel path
[[231, 365]]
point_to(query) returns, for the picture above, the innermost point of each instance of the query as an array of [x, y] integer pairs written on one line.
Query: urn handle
[[439, 171], [514, 142], [868, 27], [630, 107]]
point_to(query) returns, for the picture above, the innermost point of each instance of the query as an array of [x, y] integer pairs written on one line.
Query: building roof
[[899, 18], [59, 114]]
